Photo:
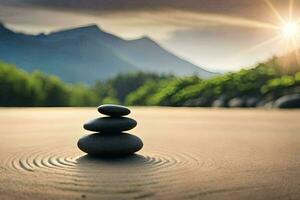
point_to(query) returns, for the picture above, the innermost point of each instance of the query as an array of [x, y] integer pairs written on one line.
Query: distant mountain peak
[[91, 27], [2, 25], [88, 53], [143, 40], [88, 29], [3, 28]]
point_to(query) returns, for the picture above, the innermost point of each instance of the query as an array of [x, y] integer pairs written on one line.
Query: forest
[[253, 87]]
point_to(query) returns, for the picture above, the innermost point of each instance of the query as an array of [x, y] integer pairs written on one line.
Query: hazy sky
[[216, 34]]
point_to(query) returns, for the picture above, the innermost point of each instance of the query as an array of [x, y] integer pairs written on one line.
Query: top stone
[[113, 110]]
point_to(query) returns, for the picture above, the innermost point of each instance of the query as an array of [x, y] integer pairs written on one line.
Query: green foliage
[[238, 84], [265, 81], [14, 86], [110, 100], [122, 85], [167, 90], [82, 95], [278, 86], [49, 90], [104, 92], [247, 83], [19, 88], [143, 95]]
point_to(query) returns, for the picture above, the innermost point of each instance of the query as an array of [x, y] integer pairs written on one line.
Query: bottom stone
[[99, 144]]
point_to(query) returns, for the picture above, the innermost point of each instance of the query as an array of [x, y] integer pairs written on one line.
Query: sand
[[188, 154]]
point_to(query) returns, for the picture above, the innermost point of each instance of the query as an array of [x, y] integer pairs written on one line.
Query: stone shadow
[[127, 161]]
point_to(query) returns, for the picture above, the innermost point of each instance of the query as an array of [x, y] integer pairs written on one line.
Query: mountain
[[86, 54]]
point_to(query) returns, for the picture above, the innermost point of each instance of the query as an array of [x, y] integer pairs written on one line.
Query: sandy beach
[[189, 153]]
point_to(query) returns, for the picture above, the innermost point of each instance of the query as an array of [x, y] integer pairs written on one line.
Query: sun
[[290, 29], [286, 31]]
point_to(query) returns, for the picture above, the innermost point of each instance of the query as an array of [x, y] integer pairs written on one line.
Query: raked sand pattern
[[187, 154]]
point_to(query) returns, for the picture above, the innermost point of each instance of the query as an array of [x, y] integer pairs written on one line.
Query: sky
[[219, 35]]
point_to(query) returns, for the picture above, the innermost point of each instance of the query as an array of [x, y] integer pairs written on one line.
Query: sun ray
[[290, 29], [253, 48], [291, 8], [284, 61], [296, 50], [286, 39], [275, 11], [292, 54], [257, 46], [297, 21], [196, 19]]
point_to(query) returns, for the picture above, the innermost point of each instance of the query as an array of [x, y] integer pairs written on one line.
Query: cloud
[[254, 8], [127, 5], [158, 23], [225, 49], [140, 16], [171, 22]]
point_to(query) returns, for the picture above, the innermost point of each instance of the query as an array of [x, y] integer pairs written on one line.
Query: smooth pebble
[[113, 110], [110, 145], [110, 124]]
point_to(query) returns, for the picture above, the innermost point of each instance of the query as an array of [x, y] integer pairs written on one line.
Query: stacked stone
[[109, 138]]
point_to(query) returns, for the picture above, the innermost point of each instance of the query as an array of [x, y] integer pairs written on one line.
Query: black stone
[[236, 102], [106, 145], [288, 101], [110, 124], [113, 110], [252, 102], [218, 103]]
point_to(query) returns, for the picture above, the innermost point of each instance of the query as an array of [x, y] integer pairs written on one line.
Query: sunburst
[[290, 29], [288, 34]]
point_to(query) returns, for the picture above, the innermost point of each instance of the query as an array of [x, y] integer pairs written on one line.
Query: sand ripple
[[106, 176]]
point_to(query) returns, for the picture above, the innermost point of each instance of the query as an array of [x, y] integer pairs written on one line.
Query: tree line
[[263, 83]]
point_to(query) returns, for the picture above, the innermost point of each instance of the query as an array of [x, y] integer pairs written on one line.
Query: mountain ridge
[[87, 53]]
